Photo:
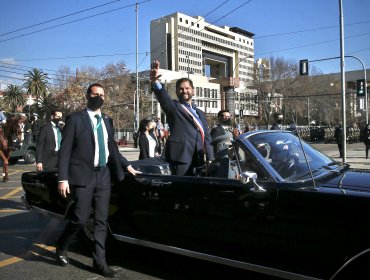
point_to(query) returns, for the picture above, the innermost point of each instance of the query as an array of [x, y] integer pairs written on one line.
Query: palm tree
[[46, 104], [37, 83], [14, 97]]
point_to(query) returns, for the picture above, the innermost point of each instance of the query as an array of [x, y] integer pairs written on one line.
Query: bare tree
[[272, 81]]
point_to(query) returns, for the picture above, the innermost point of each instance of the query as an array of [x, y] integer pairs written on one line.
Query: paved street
[[355, 154]]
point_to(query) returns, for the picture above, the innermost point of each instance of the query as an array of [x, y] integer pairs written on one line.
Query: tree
[[46, 104], [14, 97], [37, 83], [69, 91], [120, 88], [304, 99]]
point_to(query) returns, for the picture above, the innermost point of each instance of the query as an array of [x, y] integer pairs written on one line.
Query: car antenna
[[305, 155]]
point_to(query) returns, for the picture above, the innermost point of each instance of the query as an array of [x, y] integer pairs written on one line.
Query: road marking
[[26, 254], [14, 172], [9, 194], [10, 210], [43, 246], [10, 261]]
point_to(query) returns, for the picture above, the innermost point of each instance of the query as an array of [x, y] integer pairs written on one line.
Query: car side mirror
[[251, 177]]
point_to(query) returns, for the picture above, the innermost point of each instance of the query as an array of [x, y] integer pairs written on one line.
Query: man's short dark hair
[[221, 113], [89, 89], [55, 111], [277, 115], [180, 81]]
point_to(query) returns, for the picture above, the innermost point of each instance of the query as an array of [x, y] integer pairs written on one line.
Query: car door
[[210, 215]]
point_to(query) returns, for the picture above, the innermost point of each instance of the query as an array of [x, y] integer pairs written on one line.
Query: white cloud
[[8, 60]]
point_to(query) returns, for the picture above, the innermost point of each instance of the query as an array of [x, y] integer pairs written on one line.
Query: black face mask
[[95, 102], [56, 120], [226, 121]]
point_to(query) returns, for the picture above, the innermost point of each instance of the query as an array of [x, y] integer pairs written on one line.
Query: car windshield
[[283, 153]]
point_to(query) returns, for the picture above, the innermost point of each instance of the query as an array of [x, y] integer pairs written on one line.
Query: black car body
[[275, 205]]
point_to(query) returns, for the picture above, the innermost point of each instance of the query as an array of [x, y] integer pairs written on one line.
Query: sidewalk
[[355, 153]]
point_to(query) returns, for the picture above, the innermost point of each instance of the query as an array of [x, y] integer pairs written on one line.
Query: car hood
[[353, 179]]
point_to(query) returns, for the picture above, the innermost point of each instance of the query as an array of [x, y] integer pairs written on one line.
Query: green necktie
[[99, 129], [59, 137]]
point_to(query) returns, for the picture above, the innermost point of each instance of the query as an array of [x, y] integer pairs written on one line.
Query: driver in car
[[283, 160]]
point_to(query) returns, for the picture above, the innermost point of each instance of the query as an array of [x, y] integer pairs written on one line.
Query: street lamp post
[[137, 107], [308, 111], [233, 77], [343, 80]]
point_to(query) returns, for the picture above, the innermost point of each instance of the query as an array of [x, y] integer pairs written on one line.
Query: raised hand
[[154, 72]]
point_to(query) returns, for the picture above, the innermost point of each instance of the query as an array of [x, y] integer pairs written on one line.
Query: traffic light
[[361, 88], [256, 98], [303, 67]]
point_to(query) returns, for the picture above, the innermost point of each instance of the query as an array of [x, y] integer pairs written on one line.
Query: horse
[[10, 133]]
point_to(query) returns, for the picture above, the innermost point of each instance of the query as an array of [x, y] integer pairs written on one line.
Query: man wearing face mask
[[48, 142], [189, 141], [223, 128], [87, 158]]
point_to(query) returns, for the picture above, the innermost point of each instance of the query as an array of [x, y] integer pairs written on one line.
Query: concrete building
[[219, 60]]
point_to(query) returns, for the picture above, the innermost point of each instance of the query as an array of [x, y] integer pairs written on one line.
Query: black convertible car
[[270, 203]]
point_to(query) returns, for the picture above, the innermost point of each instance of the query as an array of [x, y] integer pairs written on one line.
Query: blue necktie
[[99, 129]]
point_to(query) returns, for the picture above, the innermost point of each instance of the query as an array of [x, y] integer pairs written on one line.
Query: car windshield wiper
[[308, 173], [331, 166]]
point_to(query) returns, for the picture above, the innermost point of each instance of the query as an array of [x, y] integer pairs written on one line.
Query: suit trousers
[[190, 168], [93, 198]]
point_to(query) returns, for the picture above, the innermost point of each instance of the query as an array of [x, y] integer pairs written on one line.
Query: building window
[[186, 21]]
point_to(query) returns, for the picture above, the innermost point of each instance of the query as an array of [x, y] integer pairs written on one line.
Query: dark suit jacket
[[45, 147], [366, 136], [35, 127], [144, 146], [184, 137], [76, 155], [217, 131], [275, 126]]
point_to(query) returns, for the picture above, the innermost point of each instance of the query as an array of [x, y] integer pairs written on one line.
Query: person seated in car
[[282, 159], [261, 148], [223, 165]]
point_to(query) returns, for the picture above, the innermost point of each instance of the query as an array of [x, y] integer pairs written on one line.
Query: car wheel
[[30, 157]]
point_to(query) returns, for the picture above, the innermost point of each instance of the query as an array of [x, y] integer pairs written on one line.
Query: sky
[[50, 34]]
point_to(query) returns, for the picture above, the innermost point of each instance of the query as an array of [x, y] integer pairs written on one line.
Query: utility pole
[[136, 125], [343, 83]]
